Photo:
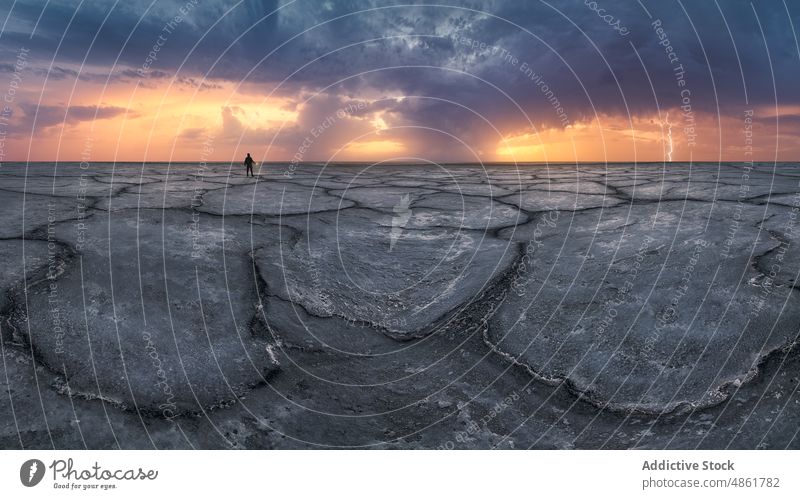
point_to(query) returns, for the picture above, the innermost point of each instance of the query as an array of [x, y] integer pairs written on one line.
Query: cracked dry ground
[[451, 306]]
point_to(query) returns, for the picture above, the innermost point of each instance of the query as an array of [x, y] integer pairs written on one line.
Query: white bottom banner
[[400, 474]]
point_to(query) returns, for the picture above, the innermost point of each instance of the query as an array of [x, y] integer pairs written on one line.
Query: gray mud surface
[[400, 306]]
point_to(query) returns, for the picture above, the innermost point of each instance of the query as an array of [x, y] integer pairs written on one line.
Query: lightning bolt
[[32, 471], [669, 137]]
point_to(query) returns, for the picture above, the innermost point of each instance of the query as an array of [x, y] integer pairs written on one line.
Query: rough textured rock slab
[[361, 268], [651, 309], [149, 316], [399, 306]]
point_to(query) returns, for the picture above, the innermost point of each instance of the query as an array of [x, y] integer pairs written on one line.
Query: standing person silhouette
[[248, 162]]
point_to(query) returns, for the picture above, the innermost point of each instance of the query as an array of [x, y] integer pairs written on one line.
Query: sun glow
[[374, 149]]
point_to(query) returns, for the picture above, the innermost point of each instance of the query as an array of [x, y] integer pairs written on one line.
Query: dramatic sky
[[189, 80]]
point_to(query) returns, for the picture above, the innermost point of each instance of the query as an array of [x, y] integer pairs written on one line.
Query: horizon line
[[311, 162]]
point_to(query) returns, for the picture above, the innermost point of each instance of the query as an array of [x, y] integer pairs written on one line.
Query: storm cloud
[[469, 68]]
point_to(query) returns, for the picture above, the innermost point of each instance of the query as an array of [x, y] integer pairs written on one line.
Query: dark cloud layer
[[42, 117], [600, 57]]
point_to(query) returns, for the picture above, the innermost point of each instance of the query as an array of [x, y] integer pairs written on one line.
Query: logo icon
[[31, 472], [402, 214]]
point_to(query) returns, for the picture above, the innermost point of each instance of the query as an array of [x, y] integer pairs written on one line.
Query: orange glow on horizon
[[174, 121], [650, 138]]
